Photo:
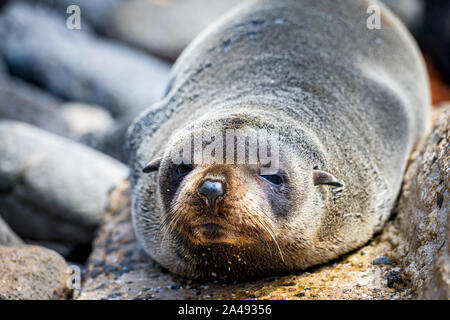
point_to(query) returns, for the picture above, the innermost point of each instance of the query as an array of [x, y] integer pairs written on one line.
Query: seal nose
[[211, 190]]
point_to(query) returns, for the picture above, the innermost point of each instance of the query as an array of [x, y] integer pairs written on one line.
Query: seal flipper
[[322, 177], [152, 165]]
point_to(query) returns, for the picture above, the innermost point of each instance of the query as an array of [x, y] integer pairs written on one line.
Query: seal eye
[[184, 169], [274, 179]]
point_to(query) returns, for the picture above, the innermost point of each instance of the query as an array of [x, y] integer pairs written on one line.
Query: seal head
[[222, 216]]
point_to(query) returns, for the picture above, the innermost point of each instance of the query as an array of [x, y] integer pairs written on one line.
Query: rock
[[76, 65], [59, 187], [95, 127], [24, 102], [437, 286], [113, 141], [7, 236], [382, 260], [88, 124], [91, 125], [84, 119], [62, 249], [118, 268], [165, 28], [395, 275], [422, 212], [32, 273]]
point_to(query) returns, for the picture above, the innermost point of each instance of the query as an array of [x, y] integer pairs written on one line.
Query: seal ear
[[322, 177], [152, 165]]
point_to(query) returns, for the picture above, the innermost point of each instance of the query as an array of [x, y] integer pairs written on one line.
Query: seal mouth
[[211, 231]]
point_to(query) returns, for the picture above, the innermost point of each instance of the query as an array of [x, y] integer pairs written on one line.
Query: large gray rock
[[166, 27], [76, 65], [423, 213], [7, 236], [88, 124], [161, 27], [24, 102], [84, 119], [52, 189], [33, 273], [93, 126], [437, 285]]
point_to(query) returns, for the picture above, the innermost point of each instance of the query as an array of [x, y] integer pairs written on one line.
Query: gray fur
[[347, 100]]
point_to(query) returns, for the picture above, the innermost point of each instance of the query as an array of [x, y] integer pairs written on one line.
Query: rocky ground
[[422, 218], [66, 100]]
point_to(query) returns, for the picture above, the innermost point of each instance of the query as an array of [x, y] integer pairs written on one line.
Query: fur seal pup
[[345, 106]]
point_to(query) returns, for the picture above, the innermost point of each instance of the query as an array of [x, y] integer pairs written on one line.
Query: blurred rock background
[[67, 98]]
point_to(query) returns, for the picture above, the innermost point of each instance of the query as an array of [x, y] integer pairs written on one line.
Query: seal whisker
[[268, 229], [171, 220]]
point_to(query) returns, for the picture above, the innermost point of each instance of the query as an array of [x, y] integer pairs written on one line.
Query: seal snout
[[211, 190]]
